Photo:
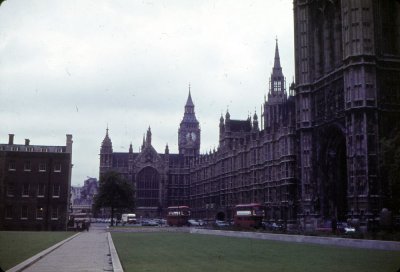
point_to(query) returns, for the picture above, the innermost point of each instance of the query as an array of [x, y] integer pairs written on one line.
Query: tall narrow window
[[25, 190], [27, 166], [12, 166], [10, 189], [42, 167], [9, 212], [54, 213], [56, 190], [41, 189], [24, 212], [57, 167], [39, 213]]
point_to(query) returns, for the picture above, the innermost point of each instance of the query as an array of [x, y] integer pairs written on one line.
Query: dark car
[[272, 226], [343, 227], [221, 224], [151, 223]]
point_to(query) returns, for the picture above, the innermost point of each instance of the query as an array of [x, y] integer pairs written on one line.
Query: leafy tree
[[115, 193]]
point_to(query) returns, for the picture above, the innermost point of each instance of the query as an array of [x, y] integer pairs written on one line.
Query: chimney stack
[[69, 143], [27, 141], [10, 139]]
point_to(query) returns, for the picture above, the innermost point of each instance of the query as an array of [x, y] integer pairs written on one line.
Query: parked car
[[151, 223], [272, 226], [221, 224], [193, 223], [161, 222], [343, 227]]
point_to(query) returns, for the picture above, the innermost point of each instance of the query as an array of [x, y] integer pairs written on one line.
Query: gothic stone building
[[250, 165], [347, 59], [316, 152], [35, 183], [160, 180]]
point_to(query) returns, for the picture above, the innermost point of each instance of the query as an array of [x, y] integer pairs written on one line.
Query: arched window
[[147, 187]]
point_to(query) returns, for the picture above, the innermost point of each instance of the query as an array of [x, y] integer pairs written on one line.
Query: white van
[[128, 218]]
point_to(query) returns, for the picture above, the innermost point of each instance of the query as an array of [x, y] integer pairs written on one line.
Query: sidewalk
[[89, 251], [332, 241]]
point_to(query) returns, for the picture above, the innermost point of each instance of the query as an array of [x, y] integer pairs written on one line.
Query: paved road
[[89, 251]]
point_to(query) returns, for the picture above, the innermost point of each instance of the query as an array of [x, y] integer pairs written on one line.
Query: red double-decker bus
[[178, 215], [249, 215]]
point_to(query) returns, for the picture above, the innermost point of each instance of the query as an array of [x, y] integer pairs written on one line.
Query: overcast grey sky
[[72, 67]]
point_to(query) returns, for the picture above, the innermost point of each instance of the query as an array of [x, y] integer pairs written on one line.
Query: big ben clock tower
[[189, 131]]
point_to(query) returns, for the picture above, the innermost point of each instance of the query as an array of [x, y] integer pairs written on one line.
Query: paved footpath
[[89, 251]]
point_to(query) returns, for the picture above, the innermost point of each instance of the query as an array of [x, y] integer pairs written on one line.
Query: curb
[[344, 242], [40, 255], [117, 267]]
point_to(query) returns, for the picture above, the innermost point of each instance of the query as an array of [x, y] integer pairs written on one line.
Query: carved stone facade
[[347, 99], [160, 180], [251, 164], [317, 152]]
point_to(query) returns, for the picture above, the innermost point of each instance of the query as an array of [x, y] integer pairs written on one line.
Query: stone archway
[[332, 174]]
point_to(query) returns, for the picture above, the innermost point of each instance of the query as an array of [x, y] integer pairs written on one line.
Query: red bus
[[249, 215], [178, 215]]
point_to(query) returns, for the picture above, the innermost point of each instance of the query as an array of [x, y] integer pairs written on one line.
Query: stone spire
[[255, 121], [130, 148], [166, 149], [189, 116], [277, 60], [277, 80], [148, 137], [106, 145]]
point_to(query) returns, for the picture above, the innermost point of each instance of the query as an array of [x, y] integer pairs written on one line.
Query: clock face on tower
[[191, 136]]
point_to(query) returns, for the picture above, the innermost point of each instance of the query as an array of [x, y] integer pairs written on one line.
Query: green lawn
[[193, 252], [17, 246]]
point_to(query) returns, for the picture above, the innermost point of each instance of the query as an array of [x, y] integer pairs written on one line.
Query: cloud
[[76, 66]]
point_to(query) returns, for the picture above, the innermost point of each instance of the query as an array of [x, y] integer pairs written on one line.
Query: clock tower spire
[[189, 131]]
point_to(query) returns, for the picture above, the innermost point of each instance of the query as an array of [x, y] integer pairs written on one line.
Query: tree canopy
[[115, 193]]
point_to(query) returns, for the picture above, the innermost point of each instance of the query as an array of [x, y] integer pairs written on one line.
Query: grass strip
[[184, 252], [17, 246]]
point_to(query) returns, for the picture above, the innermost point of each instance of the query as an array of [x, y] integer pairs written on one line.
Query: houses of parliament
[[317, 154]]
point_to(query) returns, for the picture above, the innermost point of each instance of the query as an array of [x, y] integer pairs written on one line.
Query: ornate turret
[[148, 137], [166, 149], [130, 148], [189, 131], [255, 122], [277, 80], [221, 124], [143, 143], [106, 145], [106, 154], [189, 115], [227, 121], [276, 95]]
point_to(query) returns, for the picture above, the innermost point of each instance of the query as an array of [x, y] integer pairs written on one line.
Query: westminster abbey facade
[[314, 152]]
